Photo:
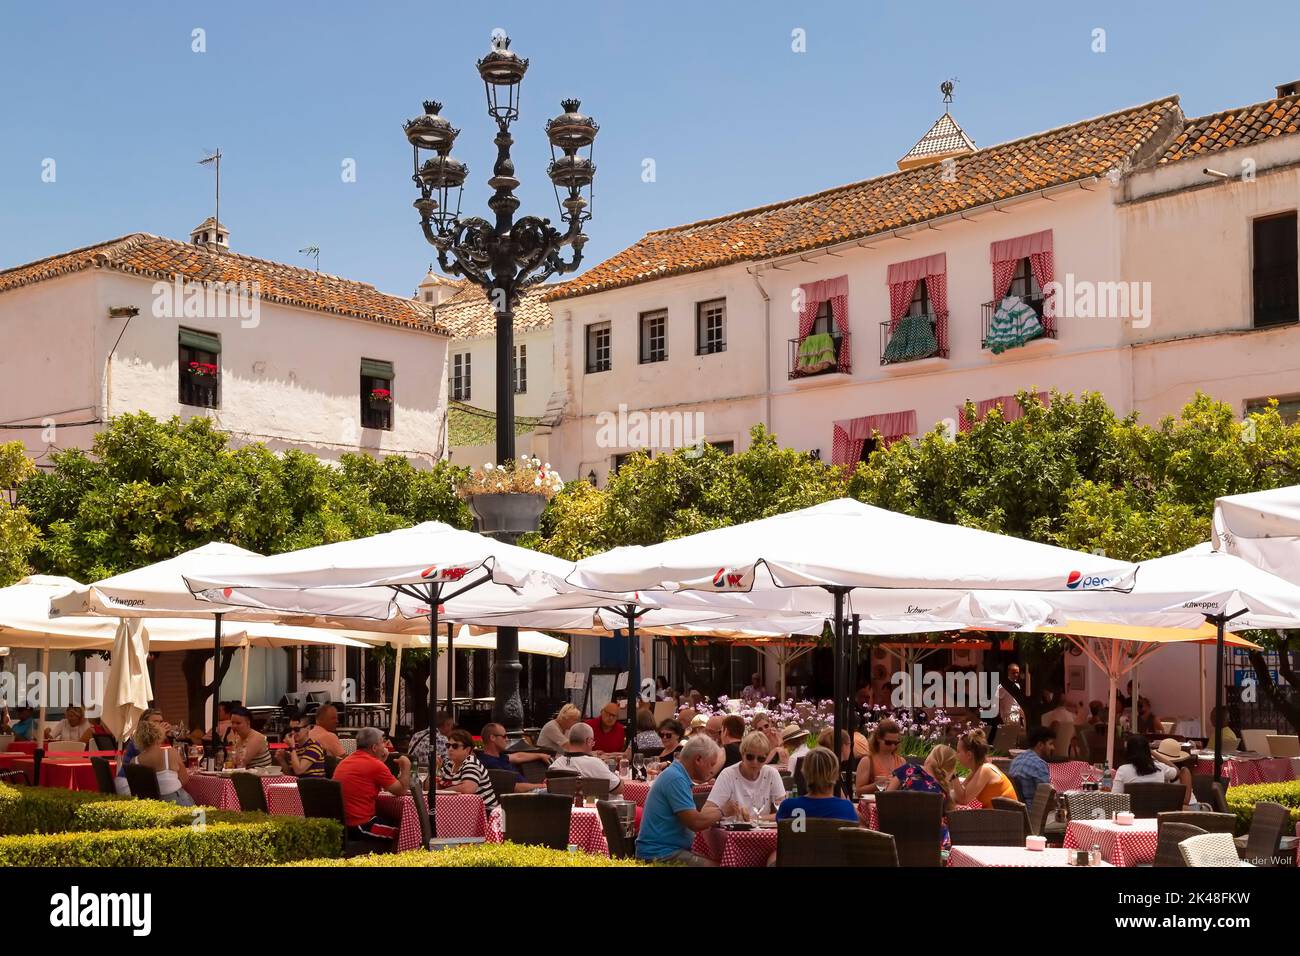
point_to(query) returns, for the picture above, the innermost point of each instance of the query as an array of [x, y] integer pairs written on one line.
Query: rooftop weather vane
[[946, 89]]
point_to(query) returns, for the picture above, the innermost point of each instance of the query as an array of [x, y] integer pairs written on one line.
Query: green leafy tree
[[18, 536]]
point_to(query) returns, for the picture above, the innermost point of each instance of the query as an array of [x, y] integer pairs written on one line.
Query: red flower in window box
[[381, 396], [203, 369]]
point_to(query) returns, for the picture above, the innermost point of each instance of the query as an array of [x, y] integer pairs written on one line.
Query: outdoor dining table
[[1008, 856], [1121, 844], [867, 810], [216, 790], [1069, 774], [1239, 771], [638, 790], [67, 771], [736, 847]]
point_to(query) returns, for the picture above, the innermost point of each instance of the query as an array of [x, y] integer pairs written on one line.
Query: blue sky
[[711, 91]]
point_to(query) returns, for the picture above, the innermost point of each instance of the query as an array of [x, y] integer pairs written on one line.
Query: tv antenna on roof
[[312, 251], [214, 157]]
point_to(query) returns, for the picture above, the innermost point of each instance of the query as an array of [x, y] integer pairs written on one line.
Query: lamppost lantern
[[504, 256], [571, 133], [502, 71]]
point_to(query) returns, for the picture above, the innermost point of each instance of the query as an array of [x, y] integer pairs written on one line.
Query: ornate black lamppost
[[507, 257]]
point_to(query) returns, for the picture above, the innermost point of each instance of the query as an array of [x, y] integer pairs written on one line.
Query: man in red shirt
[[362, 775], [609, 736]]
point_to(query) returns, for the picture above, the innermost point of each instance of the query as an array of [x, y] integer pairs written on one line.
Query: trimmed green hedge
[[480, 855], [42, 826], [1242, 800], [265, 841]]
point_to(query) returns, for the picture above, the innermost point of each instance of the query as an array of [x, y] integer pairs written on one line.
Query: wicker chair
[[1170, 836], [1094, 804], [503, 782], [987, 827], [103, 774], [537, 818], [1210, 849], [620, 845], [1015, 806], [810, 842], [142, 782], [914, 820], [1149, 800], [1210, 792], [864, 847], [248, 788], [534, 771], [323, 799], [1044, 801], [1263, 844], [1007, 738], [1209, 822]]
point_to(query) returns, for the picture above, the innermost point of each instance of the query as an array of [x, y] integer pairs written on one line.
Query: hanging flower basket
[[203, 369], [509, 499]]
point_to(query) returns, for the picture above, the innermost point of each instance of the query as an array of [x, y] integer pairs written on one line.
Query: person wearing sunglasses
[[882, 757], [777, 756], [461, 771], [671, 733], [495, 757], [751, 789]]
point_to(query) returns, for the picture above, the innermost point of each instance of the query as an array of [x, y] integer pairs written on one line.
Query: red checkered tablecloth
[[1120, 845], [586, 832], [1007, 856], [638, 790], [213, 790], [1069, 775], [736, 847], [1239, 771]]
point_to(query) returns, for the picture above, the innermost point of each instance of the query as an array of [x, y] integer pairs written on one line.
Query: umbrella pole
[[1218, 696], [840, 717], [1200, 672], [216, 670], [451, 670], [852, 688], [397, 678], [633, 671], [244, 658], [435, 595], [1113, 717], [45, 695]]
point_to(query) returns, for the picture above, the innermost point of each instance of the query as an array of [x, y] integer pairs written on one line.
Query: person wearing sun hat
[[794, 739], [1142, 764], [1171, 753]]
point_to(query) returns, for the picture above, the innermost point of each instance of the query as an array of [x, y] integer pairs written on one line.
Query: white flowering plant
[[527, 476]]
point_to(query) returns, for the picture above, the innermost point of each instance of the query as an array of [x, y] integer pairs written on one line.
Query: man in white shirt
[[577, 756], [1060, 713], [754, 691], [751, 788]]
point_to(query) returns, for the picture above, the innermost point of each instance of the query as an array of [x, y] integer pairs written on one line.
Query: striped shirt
[[470, 769], [314, 754]]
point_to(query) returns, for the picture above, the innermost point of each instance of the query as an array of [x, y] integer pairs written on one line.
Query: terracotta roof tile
[[467, 315], [1081, 150], [158, 258], [1239, 127]]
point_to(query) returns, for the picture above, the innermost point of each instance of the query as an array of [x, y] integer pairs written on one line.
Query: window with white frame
[[654, 336], [521, 368], [598, 347], [460, 375], [711, 327]]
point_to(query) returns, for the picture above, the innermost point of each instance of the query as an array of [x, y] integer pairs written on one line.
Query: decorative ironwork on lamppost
[[505, 257]]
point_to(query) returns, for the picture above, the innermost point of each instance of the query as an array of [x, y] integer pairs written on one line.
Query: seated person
[[608, 734], [1142, 766], [985, 781], [493, 756], [362, 775], [302, 756], [577, 755], [882, 757], [820, 774], [149, 739], [777, 755], [1029, 768], [418, 747], [461, 771], [555, 732], [250, 747], [670, 735], [750, 789], [323, 730], [670, 820], [647, 735], [72, 728], [23, 724], [1231, 742], [130, 750], [732, 731]]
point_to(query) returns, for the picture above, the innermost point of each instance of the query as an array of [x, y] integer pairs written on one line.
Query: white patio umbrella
[[883, 565], [1262, 527]]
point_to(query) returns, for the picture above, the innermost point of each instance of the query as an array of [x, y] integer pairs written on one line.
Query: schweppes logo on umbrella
[[436, 573], [731, 579]]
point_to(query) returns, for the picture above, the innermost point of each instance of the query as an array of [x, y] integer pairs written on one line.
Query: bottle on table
[[578, 799]]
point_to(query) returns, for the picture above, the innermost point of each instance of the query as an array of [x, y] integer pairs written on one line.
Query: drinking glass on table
[[882, 784], [624, 768], [638, 767]]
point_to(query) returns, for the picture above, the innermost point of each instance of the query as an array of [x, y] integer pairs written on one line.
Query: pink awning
[[1021, 247], [914, 270], [824, 289], [888, 424]]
